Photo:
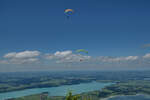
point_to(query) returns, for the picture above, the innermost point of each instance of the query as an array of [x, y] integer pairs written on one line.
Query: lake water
[[56, 91], [136, 97]]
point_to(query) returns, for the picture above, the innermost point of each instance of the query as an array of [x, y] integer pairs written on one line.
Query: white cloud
[[32, 57], [24, 54], [75, 58], [63, 53], [22, 57], [66, 56], [23, 61], [131, 58], [10, 55], [117, 59], [146, 55]]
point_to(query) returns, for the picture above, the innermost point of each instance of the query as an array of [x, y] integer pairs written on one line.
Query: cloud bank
[[21, 57], [146, 56], [68, 56]]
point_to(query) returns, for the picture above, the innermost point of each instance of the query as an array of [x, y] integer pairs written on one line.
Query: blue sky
[[103, 27]]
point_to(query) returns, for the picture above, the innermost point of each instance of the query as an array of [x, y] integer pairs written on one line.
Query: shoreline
[[21, 89], [107, 98], [61, 93]]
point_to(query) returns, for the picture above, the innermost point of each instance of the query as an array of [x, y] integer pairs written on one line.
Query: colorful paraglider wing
[[82, 50], [68, 12]]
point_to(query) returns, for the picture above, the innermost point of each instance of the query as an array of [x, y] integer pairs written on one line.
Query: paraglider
[[68, 12], [80, 51], [81, 59]]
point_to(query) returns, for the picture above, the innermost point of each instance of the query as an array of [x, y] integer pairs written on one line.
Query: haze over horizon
[[35, 35]]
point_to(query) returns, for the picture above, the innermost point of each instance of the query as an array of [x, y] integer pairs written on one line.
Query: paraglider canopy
[[68, 12], [82, 50]]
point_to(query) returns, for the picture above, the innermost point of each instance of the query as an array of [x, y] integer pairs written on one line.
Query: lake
[[135, 97], [56, 91]]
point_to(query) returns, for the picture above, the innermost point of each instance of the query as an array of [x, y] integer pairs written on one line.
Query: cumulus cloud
[[24, 54], [117, 59], [74, 58], [146, 55], [63, 57], [22, 57], [63, 53], [23, 61], [131, 58], [66, 56]]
